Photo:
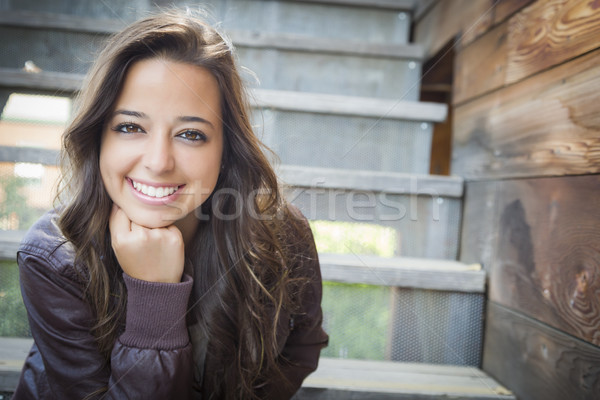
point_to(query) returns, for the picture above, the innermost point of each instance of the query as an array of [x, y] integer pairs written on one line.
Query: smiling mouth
[[154, 191]]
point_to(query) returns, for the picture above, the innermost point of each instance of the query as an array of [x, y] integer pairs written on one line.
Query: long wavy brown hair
[[242, 283]]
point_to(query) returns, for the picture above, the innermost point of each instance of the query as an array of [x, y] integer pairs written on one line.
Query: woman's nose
[[158, 154]]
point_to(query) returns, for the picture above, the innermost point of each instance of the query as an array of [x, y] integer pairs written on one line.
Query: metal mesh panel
[[426, 225], [409, 325], [336, 141], [437, 327]]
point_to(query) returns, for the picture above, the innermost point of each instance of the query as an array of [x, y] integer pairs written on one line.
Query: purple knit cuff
[[156, 314]]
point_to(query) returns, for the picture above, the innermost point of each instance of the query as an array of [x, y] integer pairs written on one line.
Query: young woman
[[175, 269]]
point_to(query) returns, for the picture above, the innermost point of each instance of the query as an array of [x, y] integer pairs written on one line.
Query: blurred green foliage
[[355, 316], [14, 203], [356, 319], [14, 317], [358, 238]]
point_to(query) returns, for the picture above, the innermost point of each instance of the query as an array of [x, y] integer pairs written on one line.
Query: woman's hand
[[155, 255]]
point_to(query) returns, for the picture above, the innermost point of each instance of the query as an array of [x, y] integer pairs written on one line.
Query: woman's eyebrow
[[130, 113], [183, 118], [192, 118]]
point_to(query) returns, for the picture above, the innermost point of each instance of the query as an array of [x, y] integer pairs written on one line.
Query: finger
[[175, 231]]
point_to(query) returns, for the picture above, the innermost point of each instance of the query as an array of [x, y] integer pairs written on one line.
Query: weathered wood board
[[537, 362], [479, 225], [504, 8], [538, 37], [546, 261], [481, 66], [546, 125], [465, 19]]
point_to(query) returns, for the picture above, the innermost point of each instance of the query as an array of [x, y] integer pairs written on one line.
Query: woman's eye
[[128, 128], [192, 135]]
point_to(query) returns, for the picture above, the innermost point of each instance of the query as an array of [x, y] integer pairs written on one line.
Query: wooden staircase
[[337, 99]]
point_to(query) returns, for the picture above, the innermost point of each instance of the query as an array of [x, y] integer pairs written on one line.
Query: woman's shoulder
[[45, 241]]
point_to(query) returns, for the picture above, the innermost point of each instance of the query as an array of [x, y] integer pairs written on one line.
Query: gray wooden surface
[[389, 182], [9, 243], [403, 272], [12, 355], [338, 379], [349, 105], [28, 154]]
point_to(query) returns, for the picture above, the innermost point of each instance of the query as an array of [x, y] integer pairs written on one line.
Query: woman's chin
[[153, 221]]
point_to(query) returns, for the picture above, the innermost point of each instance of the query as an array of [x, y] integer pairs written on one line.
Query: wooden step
[[325, 131], [47, 81], [343, 379], [403, 272], [349, 105], [424, 211], [405, 5], [373, 22], [13, 352], [331, 66], [374, 181], [301, 43], [280, 60], [352, 20], [338, 378]]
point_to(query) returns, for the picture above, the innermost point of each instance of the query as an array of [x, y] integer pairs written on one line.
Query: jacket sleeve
[[301, 351], [152, 359]]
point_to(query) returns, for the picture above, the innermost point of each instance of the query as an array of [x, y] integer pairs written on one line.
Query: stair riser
[[296, 17], [426, 226], [106, 9], [58, 51], [342, 74], [314, 20], [346, 141]]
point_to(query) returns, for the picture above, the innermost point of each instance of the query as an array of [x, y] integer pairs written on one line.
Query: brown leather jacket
[[153, 358]]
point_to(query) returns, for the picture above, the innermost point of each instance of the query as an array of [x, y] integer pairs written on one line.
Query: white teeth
[[153, 191]]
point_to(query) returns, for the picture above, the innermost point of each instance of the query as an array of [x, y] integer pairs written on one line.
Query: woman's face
[[161, 148]]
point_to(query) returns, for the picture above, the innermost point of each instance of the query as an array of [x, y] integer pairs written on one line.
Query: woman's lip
[[155, 201], [147, 183]]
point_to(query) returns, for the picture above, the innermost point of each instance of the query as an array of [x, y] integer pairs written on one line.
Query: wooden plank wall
[[526, 136]]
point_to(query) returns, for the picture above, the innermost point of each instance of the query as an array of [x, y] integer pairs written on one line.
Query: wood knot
[[582, 280]]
